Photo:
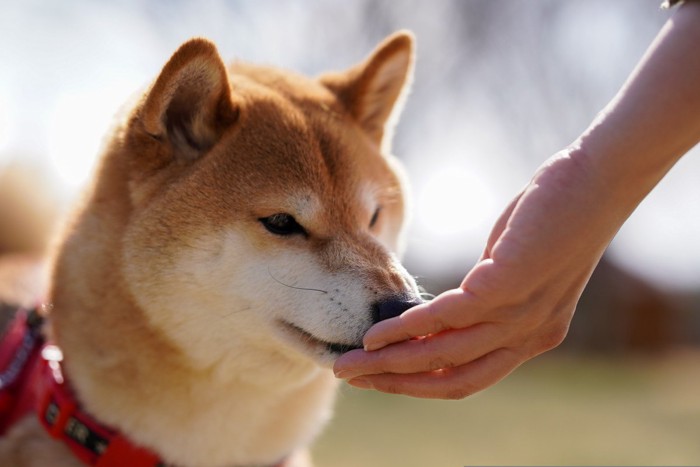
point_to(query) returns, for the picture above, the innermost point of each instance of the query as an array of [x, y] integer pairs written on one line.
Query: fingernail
[[374, 346], [343, 374], [361, 383], [347, 374]]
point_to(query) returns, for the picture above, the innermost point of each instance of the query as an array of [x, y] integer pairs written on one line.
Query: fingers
[[448, 349], [449, 310], [449, 383]]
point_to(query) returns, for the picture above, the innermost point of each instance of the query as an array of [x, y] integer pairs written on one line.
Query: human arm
[[518, 300]]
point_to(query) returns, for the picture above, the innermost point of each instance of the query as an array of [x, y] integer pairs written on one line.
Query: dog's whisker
[[426, 296], [292, 286], [234, 312]]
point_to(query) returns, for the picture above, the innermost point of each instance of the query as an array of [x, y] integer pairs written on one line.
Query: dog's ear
[[374, 91], [189, 105]]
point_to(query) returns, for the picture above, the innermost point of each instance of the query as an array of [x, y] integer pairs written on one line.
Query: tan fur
[[169, 295]]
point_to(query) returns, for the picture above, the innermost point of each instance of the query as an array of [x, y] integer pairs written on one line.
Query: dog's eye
[[375, 218], [282, 224]]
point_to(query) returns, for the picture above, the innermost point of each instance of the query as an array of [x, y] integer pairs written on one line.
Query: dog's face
[[264, 213]]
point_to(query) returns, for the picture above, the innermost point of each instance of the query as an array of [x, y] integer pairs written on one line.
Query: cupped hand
[[517, 302]]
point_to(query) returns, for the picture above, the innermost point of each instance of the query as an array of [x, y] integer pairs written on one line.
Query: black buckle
[[76, 430]]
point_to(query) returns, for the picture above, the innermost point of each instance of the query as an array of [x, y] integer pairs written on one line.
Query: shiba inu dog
[[241, 232]]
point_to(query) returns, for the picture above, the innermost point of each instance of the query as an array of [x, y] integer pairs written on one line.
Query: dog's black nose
[[394, 306]]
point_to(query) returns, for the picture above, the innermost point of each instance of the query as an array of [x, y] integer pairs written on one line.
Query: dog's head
[[264, 208]]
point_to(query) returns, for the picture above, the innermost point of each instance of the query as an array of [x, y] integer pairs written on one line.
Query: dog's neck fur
[[185, 414]]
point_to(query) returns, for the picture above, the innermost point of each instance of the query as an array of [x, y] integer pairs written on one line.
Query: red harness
[[31, 380]]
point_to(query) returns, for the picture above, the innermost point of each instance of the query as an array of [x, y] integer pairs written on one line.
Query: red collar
[[64, 419], [32, 379], [19, 357]]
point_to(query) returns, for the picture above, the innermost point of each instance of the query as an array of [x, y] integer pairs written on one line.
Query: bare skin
[[518, 300]]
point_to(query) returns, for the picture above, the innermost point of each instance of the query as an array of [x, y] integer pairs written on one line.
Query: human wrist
[[584, 202], [624, 171]]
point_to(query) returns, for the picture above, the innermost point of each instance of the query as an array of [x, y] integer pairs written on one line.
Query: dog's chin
[[321, 351]]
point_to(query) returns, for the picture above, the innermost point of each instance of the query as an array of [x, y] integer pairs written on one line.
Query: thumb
[[448, 310]]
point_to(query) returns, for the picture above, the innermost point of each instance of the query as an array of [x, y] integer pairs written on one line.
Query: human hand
[[516, 303], [518, 300]]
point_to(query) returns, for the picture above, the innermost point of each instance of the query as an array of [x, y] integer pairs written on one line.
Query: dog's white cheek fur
[[221, 296], [200, 300], [208, 301]]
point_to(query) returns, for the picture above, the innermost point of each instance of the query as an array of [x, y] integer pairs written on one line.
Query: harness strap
[[31, 379], [19, 362], [90, 441]]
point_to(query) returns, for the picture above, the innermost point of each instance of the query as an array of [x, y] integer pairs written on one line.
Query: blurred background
[[500, 85]]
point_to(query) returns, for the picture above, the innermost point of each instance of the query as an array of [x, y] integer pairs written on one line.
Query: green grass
[[556, 410]]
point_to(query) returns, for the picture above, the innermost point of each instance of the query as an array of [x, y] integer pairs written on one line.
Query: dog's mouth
[[314, 343]]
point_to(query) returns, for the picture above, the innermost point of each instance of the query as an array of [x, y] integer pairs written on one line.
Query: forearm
[[593, 187], [655, 117]]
